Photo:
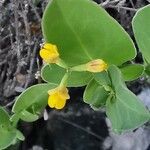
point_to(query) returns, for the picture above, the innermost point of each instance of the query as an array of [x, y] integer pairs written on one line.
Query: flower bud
[[97, 65]]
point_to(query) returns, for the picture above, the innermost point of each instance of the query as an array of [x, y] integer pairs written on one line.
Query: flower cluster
[[58, 96]]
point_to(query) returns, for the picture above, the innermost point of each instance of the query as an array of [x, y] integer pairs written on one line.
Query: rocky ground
[[77, 127]]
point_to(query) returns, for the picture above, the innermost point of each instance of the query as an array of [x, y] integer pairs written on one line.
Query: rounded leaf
[[95, 94], [27, 116], [34, 99], [141, 28], [102, 78], [20, 136], [4, 117], [6, 137], [124, 109], [84, 31], [132, 72]]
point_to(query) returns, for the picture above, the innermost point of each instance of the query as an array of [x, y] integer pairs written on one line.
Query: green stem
[[64, 80], [146, 62], [14, 120], [79, 68]]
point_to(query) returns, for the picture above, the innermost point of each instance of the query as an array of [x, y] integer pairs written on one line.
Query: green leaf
[[4, 117], [147, 70], [6, 137], [54, 74], [28, 117], [33, 100], [132, 71], [20, 136], [141, 25], [115, 76], [7, 133], [124, 109], [95, 94], [102, 78], [81, 29]]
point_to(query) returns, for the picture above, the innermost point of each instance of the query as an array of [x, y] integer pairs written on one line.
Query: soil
[[77, 127]]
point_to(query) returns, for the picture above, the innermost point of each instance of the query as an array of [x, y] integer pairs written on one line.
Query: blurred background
[[77, 127]]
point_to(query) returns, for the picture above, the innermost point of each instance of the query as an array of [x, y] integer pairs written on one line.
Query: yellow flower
[[58, 97], [49, 53], [97, 65]]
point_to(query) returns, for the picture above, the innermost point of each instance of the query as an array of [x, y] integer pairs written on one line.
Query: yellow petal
[[45, 54], [63, 92], [60, 103], [49, 53], [51, 101], [57, 97], [52, 48]]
